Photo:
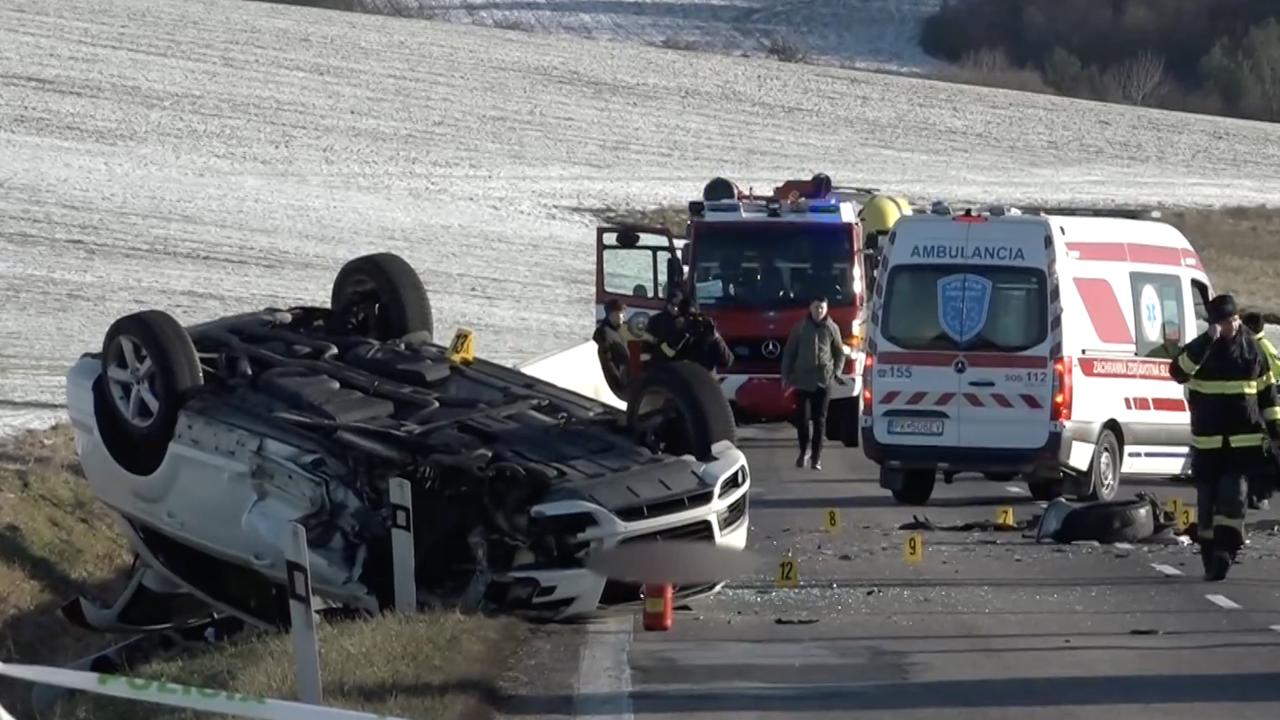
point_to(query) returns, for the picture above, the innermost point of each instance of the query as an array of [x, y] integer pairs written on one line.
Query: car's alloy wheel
[[131, 377]]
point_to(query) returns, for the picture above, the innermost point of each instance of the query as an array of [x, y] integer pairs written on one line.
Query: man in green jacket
[[812, 358]]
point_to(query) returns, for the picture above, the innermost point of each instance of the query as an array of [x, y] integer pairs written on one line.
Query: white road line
[[1169, 570], [604, 672], [1015, 490], [1222, 601], [1124, 546]]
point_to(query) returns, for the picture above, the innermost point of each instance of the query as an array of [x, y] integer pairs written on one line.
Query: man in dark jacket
[[811, 359], [1234, 418], [680, 332], [615, 360]]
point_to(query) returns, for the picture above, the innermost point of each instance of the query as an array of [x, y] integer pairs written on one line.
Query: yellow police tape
[[184, 696]]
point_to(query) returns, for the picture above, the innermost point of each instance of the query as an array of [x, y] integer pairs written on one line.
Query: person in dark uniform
[[1234, 420], [615, 360], [1263, 483], [667, 329], [680, 332]]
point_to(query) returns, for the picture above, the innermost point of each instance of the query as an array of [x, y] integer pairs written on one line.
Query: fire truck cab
[[753, 264]]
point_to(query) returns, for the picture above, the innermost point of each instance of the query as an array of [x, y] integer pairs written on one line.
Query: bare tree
[[1138, 79]]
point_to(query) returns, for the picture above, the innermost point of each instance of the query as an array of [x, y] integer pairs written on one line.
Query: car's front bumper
[[571, 592]]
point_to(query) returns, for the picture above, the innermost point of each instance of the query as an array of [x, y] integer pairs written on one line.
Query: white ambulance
[[1032, 346]]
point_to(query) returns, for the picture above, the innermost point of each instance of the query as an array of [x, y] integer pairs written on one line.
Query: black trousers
[[811, 411], [1222, 490]]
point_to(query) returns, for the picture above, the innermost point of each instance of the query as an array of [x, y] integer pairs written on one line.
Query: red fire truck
[[753, 263]]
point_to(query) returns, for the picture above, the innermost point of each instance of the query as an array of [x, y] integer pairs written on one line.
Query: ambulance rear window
[[965, 307]]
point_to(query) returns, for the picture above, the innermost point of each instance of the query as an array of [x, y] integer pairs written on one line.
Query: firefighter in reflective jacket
[[1234, 419], [1263, 482]]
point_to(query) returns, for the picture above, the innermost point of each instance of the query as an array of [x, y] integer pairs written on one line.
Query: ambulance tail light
[[866, 383], [1061, 406]]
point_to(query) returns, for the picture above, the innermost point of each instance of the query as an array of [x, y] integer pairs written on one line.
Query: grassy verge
[[422, 667], [1240, 246], [57, 542]]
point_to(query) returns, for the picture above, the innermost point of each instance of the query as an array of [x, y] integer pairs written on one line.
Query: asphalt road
[[988, 625]]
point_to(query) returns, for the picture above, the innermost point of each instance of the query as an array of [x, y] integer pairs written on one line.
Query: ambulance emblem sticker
[[963, 303]]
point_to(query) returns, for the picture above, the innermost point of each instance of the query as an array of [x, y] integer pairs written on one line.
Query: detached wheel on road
[[381, 297], [1104, 471], [678, 409], [1108, 522], [149, 364], [917, 487]]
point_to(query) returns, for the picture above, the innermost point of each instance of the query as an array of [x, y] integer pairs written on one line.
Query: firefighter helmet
[[882, 212]]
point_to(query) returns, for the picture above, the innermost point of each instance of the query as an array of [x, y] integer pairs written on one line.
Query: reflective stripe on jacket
[[1269, 350], [1231, 392]]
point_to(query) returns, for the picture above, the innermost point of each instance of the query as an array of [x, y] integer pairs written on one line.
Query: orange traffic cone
[[659, 604]]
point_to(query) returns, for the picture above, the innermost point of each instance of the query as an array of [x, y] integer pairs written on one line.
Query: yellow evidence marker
[[1004, 516], [788, 572], [831, 522], [463, 348], [1175, 506], [914, 548], [1186, 515]]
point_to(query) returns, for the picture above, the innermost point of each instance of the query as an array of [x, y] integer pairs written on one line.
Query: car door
[[639, 266], [914, 388], [1003, 369]]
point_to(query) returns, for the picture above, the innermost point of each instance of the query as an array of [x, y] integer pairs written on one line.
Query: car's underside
[[210, 440]]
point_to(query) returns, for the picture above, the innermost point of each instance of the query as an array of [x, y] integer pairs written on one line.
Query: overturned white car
[[208, 441]]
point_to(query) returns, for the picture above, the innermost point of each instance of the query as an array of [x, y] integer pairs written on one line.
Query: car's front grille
[[732, 515], [666, 507], [695, 531]]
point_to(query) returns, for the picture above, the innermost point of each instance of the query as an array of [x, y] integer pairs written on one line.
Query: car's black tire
[[699, 414], [1108, 522], [149, 366], [917, 487], [1046, 490], [380, 296], [1104, 470]]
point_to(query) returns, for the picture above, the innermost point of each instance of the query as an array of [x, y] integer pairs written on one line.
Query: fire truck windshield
[[772, 265]]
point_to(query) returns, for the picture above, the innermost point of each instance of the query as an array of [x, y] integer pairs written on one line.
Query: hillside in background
[[864, 34], [1212, 56]]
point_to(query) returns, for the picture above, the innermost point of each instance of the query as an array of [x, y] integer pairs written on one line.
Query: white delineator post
[[402, 559], [306, 649]]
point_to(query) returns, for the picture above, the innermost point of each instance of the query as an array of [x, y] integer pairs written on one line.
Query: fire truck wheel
[[678, 408]]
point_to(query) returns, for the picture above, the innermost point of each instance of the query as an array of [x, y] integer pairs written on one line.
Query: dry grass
[[57, 542], [422, 667], [1240, 246]]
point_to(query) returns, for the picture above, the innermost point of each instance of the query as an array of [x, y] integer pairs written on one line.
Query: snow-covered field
[[865, 34], [207, 157]]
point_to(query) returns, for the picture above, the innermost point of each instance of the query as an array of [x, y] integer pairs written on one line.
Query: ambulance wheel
[[1104, 471], [1046, 490], [917, 486]]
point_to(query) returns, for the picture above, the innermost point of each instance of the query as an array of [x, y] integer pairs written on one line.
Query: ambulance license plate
[[914, 426]]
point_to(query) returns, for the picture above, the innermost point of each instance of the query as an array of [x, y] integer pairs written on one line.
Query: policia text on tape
[[225, 702]]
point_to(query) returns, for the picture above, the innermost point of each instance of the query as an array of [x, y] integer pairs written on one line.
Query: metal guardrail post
[[306, 649], [402, 558]]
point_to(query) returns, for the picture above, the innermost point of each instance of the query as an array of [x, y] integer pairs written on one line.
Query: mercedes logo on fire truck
[[771, 348]]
